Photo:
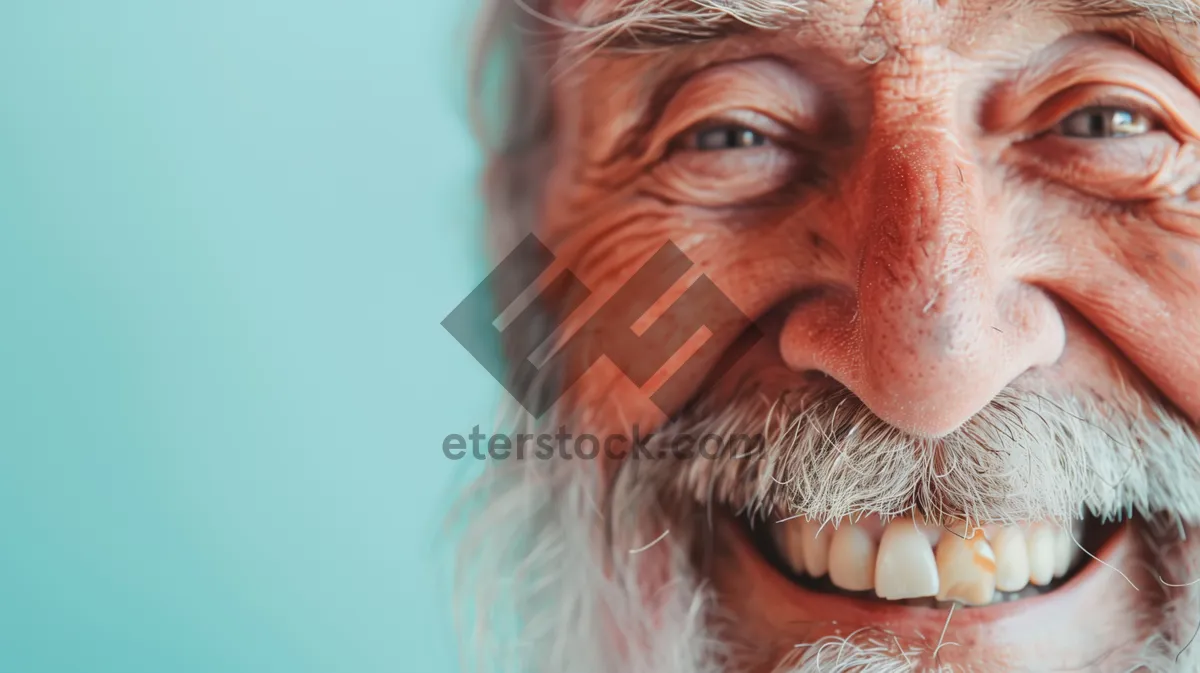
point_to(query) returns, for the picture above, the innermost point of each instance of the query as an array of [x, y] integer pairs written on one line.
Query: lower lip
[[1115, 552]]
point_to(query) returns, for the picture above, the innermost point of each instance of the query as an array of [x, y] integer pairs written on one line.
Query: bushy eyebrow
[[651, 24]]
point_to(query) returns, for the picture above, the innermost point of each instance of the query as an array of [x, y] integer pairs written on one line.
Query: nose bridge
[[928, 355], [924, 281]]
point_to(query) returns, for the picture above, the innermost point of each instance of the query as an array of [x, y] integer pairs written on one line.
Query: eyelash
[[739, 136], [1108, 102], [1108, 127], [734, 131]]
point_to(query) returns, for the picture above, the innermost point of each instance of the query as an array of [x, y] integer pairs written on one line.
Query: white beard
[[559, 574], [534, 554]]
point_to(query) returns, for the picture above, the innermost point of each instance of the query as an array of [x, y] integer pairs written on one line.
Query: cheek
[[1138, 284], [1147, 251], [755, 260], [1170, 266]]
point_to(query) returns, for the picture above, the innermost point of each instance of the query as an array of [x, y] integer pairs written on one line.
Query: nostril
[[807, 296], [816, 377]]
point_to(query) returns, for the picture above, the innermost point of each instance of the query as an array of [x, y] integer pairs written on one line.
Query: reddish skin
[[938, 240]]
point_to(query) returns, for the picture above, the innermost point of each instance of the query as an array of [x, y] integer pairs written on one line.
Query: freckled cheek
[[1185, 262], [1170, 264]]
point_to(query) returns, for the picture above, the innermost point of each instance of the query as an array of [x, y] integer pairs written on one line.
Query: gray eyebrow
[[652, 24]]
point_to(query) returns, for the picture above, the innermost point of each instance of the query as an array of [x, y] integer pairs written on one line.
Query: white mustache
[[822, 453]]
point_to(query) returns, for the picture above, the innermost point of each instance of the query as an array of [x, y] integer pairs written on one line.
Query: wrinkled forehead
[[649, 23]]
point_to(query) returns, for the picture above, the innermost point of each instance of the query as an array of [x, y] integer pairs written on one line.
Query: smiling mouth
[[913, 563]]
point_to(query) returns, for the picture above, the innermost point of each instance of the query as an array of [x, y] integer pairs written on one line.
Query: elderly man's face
[[969, 233]]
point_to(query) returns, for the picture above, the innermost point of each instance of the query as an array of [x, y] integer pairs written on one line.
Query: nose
[[934, 326]]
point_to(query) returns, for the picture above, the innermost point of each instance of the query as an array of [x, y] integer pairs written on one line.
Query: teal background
[[228, 233]]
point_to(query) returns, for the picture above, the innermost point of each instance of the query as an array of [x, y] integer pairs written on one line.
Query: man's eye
[[1105, 122], [728, 137]]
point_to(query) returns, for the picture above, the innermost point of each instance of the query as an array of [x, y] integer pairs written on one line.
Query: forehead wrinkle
[[652, 23]]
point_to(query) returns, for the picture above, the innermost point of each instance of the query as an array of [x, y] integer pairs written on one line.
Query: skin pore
[[926, 206]]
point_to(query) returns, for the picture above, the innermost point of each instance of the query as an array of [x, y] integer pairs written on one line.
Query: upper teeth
[[904, 567], [912, 559]]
